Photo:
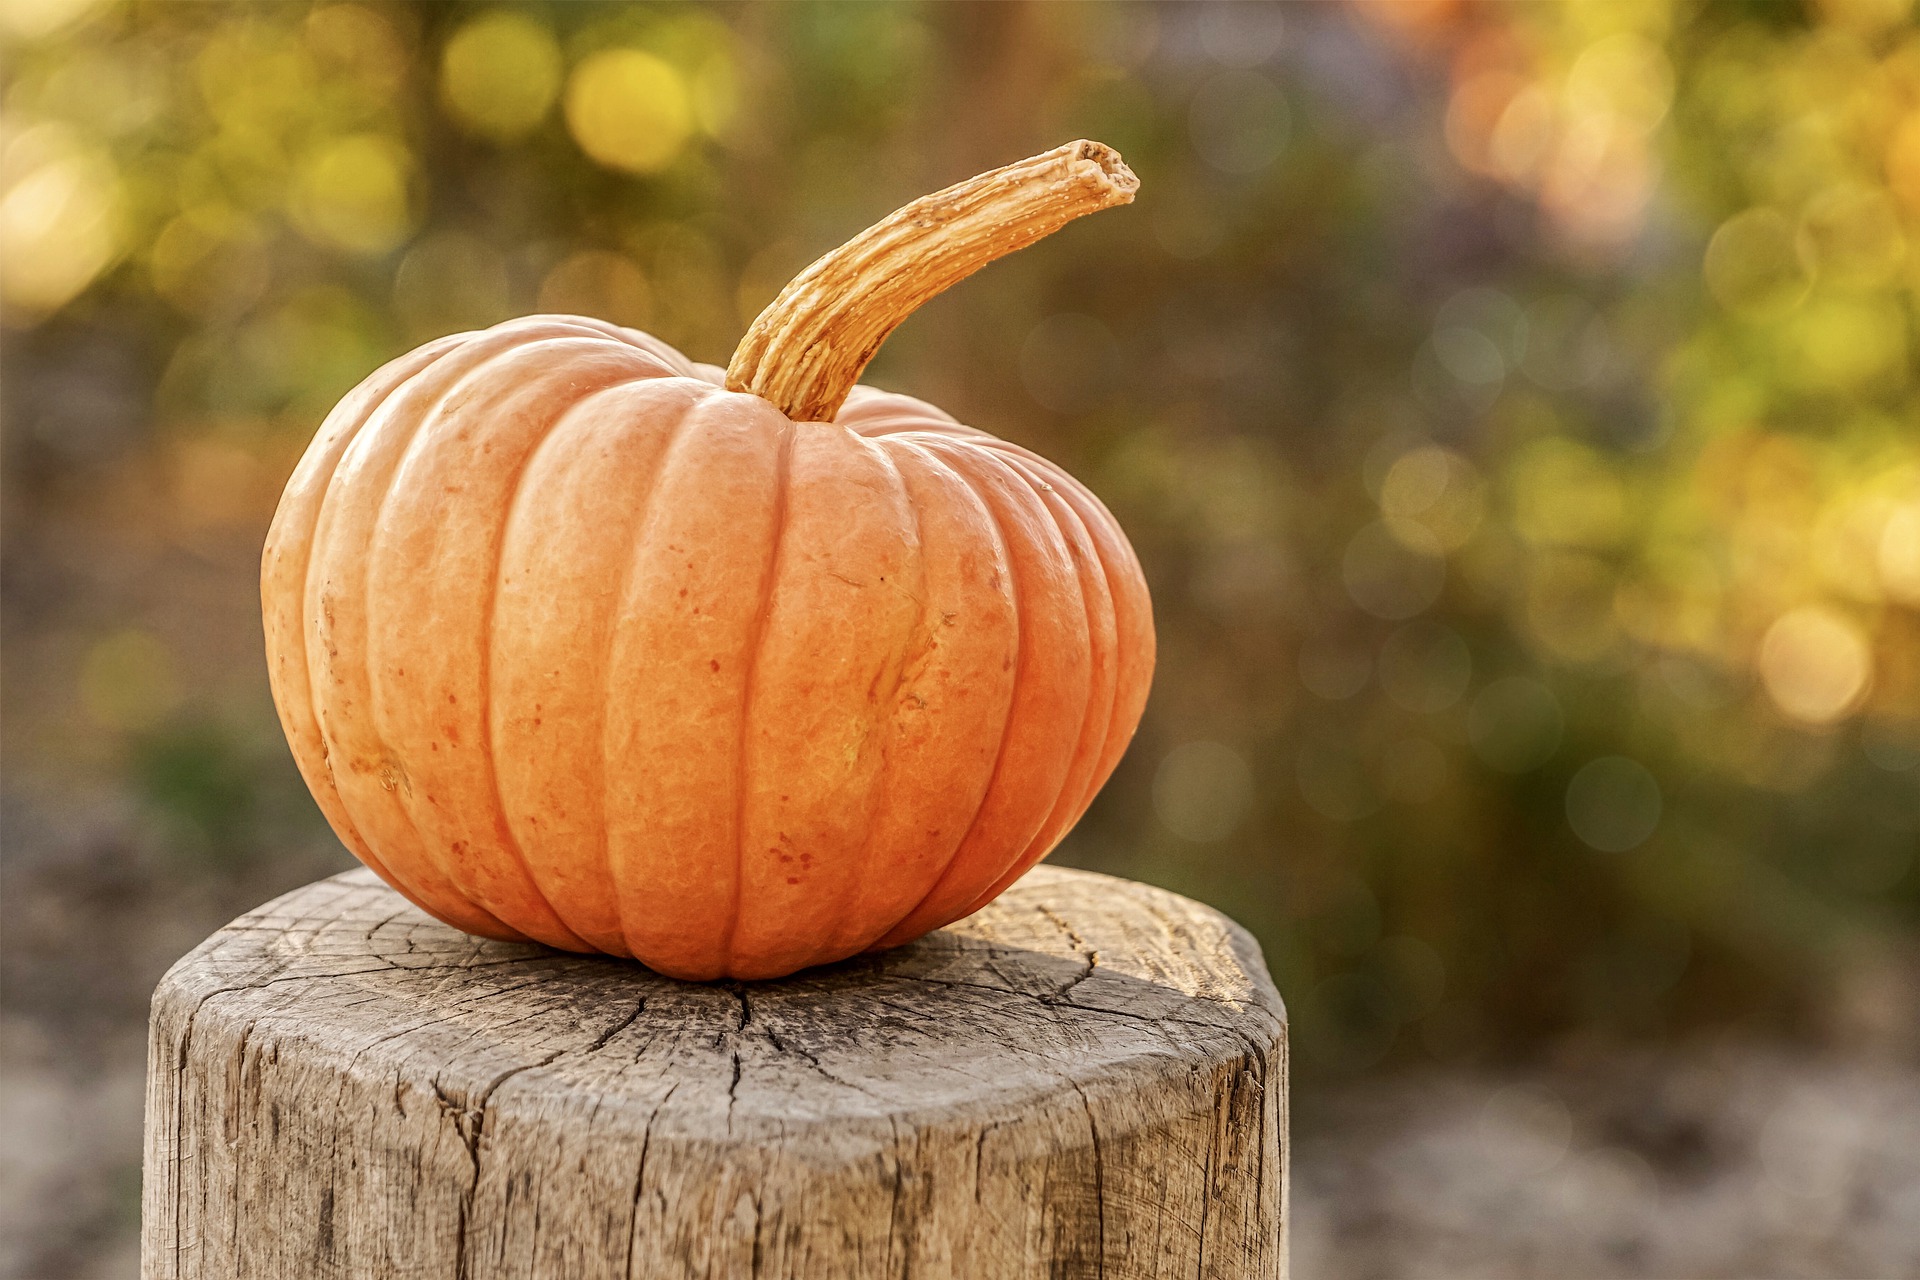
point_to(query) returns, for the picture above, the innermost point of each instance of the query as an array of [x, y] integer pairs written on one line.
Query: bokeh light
[[1899, 554], [1614, 804], [38, 19], [500, 74], [353, 193], [59, 217], [1815, 664], [1755, 266], [629, 110], [1515, 724], [1432, 496]]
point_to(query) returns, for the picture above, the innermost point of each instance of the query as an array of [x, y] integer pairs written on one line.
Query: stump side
[[1088, 1077]]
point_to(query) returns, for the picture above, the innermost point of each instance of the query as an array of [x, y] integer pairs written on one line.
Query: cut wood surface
[[1088, 1077]]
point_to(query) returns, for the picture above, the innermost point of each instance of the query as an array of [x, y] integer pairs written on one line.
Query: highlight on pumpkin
[[574, 643]]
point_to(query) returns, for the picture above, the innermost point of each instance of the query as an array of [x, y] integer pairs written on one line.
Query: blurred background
[[1514, 407]]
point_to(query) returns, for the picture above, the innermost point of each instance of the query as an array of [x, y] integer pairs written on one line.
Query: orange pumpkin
[[577, 640]]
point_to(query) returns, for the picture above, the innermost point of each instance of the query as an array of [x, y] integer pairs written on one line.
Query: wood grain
[[1087, 1078]]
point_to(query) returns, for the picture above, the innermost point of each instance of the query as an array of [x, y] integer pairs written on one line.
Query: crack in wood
[[1099, 1177], [640, 1176]]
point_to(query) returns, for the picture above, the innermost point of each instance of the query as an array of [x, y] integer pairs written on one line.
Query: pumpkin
[[579, 641]]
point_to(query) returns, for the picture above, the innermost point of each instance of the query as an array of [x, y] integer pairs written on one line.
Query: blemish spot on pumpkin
[[793, 879], [451, 700], [392, 776], [683, 593], [714, 664]]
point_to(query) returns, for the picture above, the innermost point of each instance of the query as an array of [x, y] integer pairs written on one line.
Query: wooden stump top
[[467, 1096]]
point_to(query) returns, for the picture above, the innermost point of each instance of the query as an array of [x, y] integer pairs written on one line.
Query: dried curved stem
[[806, 350]]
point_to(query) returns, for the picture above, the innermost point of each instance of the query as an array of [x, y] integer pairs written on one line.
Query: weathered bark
[[1088, 1077]]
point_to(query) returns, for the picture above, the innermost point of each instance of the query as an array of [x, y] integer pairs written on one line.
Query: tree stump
[[1088, 1077]]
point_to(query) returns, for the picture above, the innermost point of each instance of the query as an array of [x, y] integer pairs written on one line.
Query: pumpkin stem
[[806, 350]]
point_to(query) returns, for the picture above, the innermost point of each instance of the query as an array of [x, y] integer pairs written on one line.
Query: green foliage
[[220, 795]]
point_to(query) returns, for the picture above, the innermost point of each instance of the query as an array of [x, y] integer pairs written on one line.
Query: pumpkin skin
[[572, 644]]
